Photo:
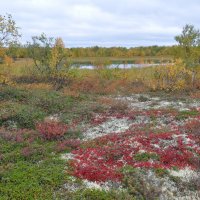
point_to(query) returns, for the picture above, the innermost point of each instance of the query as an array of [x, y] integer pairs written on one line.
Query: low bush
[[96, 194], [28, 116], [173, 77], [32, 181], [47, 100], [25, 116], [51, 130], [13, 93], [193, 127], [69, 144], [118, 106], [146, 156], [51, 102], [185, 114], [142, 98], [138, 185]]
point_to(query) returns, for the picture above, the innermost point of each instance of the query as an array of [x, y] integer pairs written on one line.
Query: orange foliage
[[71, 93], [8, 60], [45, 86]]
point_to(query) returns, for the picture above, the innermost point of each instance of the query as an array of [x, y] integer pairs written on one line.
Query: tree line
[[188, 40], [52, 59], [21, 51]]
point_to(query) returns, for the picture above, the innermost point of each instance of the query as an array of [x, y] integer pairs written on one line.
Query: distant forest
[[122, 52]]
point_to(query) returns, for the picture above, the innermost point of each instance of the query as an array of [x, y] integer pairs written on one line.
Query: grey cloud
[[104, 22]]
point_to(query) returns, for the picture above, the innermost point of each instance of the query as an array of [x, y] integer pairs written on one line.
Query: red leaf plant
[[51, 130], [104, 162]]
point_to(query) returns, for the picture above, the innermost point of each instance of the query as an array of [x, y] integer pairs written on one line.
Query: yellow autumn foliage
[[5, 80], [5, 77], [172, 77], [7, 60], [58, 65]]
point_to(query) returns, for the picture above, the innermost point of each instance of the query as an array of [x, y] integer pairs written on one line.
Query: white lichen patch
[[135, 102], [54, 118], [73, 185], [169, 188], [186, 174], [67, 156], [112, 125], [108, 185]]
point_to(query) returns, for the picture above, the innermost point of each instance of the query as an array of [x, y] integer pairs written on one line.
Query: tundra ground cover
[[158, 139], [97, 147]]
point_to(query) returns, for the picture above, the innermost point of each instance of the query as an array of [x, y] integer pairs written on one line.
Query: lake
[[120, 66]]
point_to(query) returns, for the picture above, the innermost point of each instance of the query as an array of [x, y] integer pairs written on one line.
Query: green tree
[[8, 30], [189, 44], [50, 59], [189, 41], [8, 35]]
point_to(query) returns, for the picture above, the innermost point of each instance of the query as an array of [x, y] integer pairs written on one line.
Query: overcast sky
[[104, 22]]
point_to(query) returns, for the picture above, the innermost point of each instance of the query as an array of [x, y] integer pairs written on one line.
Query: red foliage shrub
[[1, 156], [193, 127], [104, 161], [68, 144], [18, 136], [27, 151], [51, 130]]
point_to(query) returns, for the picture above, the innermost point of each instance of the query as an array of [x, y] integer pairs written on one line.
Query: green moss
[[32, 181], [95, 194], [25, 116], [92, 194], [13, 93], [161, 172], [35, 174], [175, 179], [146, 156], [142, 98], [186, 114]]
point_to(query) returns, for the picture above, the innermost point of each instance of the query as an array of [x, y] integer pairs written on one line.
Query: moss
[[161, 172], [95, 194], [186, 114], [142, 98], [29, 170], [146, 156]]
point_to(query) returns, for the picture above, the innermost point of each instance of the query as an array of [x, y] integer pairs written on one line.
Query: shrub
[[185, 114], [27, 152], [8, 60], [8, 110], [25, 116], [51, 130], [92, 194], [146, 156], [68, 145], [161, 172], [142, 98], [5, 80], [13, 93], [32, 180], [139, 185], [172, 77], [28, 116], [119, 106], [193, 127], [51, 102], [49, 57]]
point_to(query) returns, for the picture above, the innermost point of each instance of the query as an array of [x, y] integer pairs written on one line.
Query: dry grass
[[114, 106], [102, 81]]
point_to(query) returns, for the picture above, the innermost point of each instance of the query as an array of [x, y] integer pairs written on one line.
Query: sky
[[83, 23]]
